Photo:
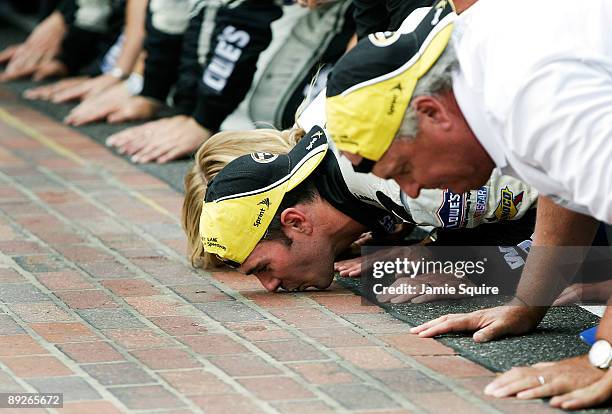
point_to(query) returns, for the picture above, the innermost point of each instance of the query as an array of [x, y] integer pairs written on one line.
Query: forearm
[[556, 254], [134, 33], [94, 30], [162, 45]]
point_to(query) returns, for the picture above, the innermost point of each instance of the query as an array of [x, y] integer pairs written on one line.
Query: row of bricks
[[108, 317]]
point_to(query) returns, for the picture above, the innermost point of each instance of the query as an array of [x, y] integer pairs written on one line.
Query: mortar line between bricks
[[219, 373], [33, 133], [255, 307], [91, 238], [124, 352], [450, 383], [368, 379], [105, 394], [364, 376], [248, 345], [16, 123]]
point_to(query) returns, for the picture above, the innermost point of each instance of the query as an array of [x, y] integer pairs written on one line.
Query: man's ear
[[295, 220], [432, 110]]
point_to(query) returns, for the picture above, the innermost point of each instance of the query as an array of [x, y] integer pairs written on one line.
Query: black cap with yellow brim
[[243, 198], [370, 87]]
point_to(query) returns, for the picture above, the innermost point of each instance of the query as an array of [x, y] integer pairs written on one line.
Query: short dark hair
[[306, 192]]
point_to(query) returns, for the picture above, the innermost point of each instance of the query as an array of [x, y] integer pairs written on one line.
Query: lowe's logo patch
[[451, 212]]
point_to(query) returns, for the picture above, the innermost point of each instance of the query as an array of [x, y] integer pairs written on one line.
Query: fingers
[[152, 151], [173, 154], [7, 54], [134, 109], [87, 112], [22, 63], [567, 297], [399, 297], [12, 74], [354, 271], [71, 93], [490, 332], [446, 324], [525, 384], [46, 92], [520, 384], [349, 270], [122, 114], [515, 381], [590, 396], [128, 141], [541, 391], [41, 92], [49, 69]]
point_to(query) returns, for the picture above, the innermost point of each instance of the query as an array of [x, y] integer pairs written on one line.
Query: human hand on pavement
[[545, 379], [91, 87], [113, 105], [49, 69], [40, 47], [349, 267], [352, 267], [596, 292], [47, 92], [160, 141], [592, 395], [488, 324]]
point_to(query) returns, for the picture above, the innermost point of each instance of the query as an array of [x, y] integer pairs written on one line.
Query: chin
[[324, 284]]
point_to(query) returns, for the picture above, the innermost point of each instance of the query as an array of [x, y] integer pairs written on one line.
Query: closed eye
[[260, 269]]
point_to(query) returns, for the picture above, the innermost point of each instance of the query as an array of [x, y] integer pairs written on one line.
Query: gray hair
[[437, 80]]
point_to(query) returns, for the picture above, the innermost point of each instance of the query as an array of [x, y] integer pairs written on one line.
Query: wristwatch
[[600, 354], [117, 73]]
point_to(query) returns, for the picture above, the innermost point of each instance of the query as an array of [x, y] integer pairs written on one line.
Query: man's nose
[[270, 283], [411, 188]]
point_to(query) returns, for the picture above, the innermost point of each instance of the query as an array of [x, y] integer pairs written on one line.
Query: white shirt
[[535, 86]]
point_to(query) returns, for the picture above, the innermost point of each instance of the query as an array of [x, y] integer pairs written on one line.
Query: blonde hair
[[213, 155]]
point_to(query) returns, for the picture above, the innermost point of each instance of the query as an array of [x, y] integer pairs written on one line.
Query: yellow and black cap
[[371, 86], [243, 198]]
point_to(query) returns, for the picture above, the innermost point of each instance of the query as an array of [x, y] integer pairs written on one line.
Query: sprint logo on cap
[[266, 203]]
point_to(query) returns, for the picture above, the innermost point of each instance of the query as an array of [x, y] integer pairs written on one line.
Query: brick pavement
[[98, 301]]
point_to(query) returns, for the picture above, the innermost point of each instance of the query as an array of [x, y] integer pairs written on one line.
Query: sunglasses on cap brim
[[365, 166], [228, 262], [233, 264]]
